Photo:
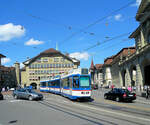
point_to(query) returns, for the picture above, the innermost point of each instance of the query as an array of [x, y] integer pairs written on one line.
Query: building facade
[[7, 76], [139, 62], [46, 65], [96, 74]]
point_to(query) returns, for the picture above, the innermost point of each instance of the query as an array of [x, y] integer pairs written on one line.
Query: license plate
[[130, 95]]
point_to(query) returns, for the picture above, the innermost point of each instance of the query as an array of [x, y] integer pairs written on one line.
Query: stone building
[[139, 62], [7, 76], [46, 65], [96, 73], [107, 78], [116, 69]]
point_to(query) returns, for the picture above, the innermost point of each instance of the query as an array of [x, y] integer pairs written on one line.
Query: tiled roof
[[50, 52], [1, 55], [98, 66], [3, 68]]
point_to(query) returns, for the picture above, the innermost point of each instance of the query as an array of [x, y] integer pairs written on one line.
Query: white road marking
[[15, 100]]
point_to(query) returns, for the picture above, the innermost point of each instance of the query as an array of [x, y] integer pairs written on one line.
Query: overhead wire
[[110, 39], [97, 21]]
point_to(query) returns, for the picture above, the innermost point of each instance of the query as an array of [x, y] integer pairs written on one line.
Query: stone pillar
[[128, 77], [139, 78], [18, 77], [120, 79]]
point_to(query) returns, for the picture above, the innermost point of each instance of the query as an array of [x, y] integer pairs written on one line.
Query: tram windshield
[[84, 81]]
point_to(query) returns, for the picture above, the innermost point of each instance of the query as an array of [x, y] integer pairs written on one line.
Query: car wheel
[[117, 99], [15, 97], [30, 98], [105, 96]]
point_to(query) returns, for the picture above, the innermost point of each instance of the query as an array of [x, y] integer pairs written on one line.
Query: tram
[[74, 85]]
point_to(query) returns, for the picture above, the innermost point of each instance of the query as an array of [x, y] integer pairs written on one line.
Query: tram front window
[[84, 81]]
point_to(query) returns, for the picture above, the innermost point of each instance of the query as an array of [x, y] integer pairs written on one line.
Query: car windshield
[[30, 91], [84, 81]]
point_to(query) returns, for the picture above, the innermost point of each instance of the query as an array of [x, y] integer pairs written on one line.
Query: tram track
[[120, 108], [74, 112]]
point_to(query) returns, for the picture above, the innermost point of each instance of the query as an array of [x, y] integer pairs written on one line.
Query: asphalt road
[[57, 110]]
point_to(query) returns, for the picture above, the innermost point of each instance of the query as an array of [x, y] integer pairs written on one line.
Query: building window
[[51, 65], [57, 65], [38, 66], [45, 66], [62, 59], [56, 59], [45, 60]]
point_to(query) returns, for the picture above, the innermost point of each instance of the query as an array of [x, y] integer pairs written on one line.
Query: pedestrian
[[129, 88], [147, 93]]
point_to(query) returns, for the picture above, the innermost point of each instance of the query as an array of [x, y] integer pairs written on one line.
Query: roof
[[108, 60], [3, 68], [50, 52], [98, 66], [123, 52], [2, 56]]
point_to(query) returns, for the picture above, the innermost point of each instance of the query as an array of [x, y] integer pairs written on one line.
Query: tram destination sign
[[84, 71]]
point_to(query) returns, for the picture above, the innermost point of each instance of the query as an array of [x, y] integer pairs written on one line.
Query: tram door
[[70, 85]]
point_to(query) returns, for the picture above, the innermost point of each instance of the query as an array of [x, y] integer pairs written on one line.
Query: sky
[[86, 29]]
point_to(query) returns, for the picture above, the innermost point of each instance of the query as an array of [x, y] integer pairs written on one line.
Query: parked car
[[119, 94], [29, 94], [1, 96]]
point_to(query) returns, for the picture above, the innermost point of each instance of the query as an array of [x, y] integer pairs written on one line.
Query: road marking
[[116, 113], [15, 100]]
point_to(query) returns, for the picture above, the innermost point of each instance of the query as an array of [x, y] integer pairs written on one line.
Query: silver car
[[27, 94]]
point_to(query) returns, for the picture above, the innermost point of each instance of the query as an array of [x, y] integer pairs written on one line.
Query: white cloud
[[33, 42], [118, 17], [80, 56], [10, 31], [5, 60], [137, 3]]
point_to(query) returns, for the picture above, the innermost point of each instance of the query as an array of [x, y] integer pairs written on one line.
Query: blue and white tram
[[76, 85], [52, 85], [44, 86]]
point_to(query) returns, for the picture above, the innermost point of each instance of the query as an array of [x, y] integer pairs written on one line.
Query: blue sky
[[28, 27]]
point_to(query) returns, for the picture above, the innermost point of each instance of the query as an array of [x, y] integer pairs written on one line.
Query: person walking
[[147, 92]]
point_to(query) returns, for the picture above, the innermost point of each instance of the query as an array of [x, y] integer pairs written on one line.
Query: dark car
[[119, 94], [29, 94], [1, 96]]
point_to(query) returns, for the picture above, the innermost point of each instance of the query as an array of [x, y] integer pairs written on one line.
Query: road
[[57, 110]]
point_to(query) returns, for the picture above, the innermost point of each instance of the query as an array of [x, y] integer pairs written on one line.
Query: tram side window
[[76, 82], [66, 82], [43, 84], [57, 83], [70, 81]]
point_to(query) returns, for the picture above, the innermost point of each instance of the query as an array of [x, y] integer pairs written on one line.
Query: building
[[139, 62], [116, 69], [7, 76], [107, 78], [46, 65], [96, 73]]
